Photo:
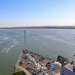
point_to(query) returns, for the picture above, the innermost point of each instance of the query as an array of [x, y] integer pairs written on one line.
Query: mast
[[25, 39]]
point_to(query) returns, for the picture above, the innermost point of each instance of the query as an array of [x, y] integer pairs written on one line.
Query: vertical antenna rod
[[25, 39]]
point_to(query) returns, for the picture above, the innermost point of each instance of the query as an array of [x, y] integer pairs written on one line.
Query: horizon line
[[52, 27]]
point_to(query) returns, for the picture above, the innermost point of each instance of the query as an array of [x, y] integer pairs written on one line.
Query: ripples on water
[[44, 37]]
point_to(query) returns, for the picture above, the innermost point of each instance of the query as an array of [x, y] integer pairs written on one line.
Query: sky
[[21, 13]]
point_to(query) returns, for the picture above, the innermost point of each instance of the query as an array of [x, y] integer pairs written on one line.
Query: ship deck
[[25, 62]]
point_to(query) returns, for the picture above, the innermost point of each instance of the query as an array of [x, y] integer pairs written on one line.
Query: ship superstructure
[[68, 69]]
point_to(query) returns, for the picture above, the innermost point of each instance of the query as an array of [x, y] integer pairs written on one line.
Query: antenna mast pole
[[25, 39]]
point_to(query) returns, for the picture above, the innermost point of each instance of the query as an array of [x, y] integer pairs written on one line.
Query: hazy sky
[[36, 12]]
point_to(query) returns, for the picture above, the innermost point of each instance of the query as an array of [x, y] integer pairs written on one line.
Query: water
[[48, 42]]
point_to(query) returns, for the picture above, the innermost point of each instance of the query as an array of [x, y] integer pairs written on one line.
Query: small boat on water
[[30, 63]]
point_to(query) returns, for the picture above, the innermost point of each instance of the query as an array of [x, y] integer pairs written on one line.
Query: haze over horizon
[[22, 13]]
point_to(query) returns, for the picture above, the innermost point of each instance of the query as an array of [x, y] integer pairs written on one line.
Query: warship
[[30, 63]]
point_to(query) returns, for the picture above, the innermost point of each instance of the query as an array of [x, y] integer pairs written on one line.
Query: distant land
[[54, 27]]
